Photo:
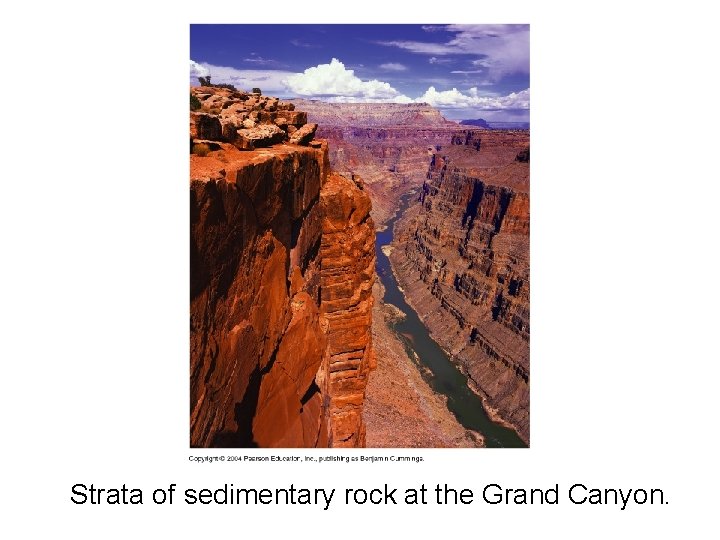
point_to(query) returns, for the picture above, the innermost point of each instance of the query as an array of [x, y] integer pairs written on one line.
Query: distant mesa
[[368, 115], [479, 122]]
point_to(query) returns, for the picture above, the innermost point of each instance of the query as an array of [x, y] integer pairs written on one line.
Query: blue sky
[[467, 71]]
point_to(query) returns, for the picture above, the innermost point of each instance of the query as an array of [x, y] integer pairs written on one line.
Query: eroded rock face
[[256, 341], [348, 272], [282, 257], [463, 260]]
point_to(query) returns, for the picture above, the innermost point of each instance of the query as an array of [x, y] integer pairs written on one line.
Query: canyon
[[389, 145], [460, 251], [462, 257], [294, 342]]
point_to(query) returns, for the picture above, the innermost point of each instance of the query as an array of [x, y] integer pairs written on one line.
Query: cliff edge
[[282, 267]]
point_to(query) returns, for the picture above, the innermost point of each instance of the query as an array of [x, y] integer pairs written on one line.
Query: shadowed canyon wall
[[462, 257], [282, 268]]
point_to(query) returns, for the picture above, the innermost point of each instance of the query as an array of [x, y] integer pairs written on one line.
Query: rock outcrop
[[282, 262], [347, 252], [462, 257], [246, 120]]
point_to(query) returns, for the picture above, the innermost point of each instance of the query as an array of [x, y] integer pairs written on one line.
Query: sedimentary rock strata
[[468, 281], [388, 145], [462, 256], [347, 252], [282, 264]]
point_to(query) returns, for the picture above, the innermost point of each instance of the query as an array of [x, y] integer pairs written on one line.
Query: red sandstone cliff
[[347, 251], [282, 264], [463, 259]]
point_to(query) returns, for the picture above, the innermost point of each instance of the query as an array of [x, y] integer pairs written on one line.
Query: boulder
[[258, 137], [298, 118], [267, 117], [304, 135], [230, 125], [205, 126]]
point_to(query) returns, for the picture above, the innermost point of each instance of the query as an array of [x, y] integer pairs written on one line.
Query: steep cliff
[[347, 251], [462, 257], [280, 344]]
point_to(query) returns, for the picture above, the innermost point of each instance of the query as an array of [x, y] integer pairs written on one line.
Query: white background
[[95, 278]]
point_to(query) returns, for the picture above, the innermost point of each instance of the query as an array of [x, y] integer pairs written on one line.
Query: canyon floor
[[401, 410]]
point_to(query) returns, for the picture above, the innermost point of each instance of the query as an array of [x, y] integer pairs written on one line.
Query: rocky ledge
[[246, 120]]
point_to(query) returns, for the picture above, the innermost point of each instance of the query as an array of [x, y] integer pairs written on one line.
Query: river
[[442, 375]]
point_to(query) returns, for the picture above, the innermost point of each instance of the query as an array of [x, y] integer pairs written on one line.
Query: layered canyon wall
[[462, 257], [282, 268], [387, 144]]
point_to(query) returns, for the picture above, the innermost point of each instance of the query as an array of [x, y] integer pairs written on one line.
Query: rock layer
[[467, 280], [282, 262], [386, 144], [462, 257], [347, 251]]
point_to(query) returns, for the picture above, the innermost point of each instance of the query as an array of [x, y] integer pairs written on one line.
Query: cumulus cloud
[[393, 66], [335, 83], [334, 79], [197, 70], [454, 99]]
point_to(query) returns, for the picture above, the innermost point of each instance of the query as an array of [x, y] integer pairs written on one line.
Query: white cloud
[[335, 83], [454, 99], [393, 66], [334, 79], [503, 49], [260, 61], [197, 70], [300, 43], [401, 98], [270, 81]]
